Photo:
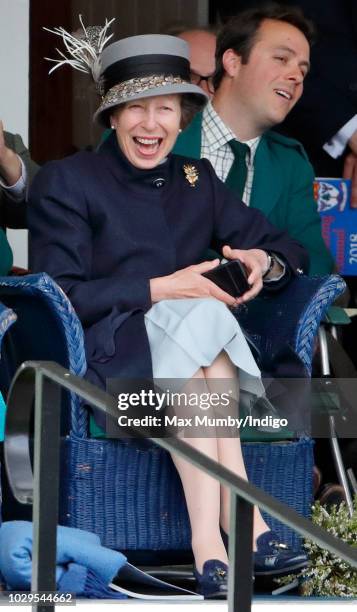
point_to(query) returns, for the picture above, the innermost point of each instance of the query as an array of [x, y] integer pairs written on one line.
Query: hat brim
[[114, 98]]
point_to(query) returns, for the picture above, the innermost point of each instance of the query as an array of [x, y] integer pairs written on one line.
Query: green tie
[[237, 175]]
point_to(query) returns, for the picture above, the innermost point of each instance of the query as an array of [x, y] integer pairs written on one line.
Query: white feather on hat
[[84, 48]]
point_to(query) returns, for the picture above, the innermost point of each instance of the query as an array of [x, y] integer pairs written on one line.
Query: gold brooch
[[191, 174]]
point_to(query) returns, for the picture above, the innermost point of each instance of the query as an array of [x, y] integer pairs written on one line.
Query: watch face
[[271, 260]]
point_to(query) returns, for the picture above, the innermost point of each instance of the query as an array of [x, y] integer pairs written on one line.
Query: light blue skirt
[[186, 334]]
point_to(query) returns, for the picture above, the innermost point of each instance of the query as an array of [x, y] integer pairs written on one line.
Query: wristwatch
[[271, 262]]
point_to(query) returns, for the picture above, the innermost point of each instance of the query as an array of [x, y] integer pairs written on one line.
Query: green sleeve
[[304, 222]]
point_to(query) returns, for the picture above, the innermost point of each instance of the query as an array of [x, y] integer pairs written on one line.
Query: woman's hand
[[256, 263], [189, 283]]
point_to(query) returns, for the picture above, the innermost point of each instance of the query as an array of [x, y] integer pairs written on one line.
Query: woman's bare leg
[[207, 502], [202, 494], [229, 449]]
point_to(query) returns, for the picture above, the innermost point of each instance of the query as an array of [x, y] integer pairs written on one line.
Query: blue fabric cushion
[[75, 548]]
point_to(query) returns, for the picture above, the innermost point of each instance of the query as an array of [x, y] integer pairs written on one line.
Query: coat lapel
[[110, 153], [268, 179]]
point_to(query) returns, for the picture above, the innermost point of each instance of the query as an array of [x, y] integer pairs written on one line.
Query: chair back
[[129, 495], [290, 318], [7, 318], [47, 328]]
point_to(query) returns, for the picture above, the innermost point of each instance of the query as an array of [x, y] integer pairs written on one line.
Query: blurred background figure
[[253, 94], [202, 45], [16, 172], [325, 119]]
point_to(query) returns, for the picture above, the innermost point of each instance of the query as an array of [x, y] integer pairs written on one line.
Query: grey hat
[[144, 66]]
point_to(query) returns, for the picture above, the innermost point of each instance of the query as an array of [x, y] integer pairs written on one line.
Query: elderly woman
[[123, 230]]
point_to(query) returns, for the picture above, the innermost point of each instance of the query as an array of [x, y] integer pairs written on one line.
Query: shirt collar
[[218, 134]]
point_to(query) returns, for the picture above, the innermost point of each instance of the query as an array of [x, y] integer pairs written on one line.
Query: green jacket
[[282, 189]]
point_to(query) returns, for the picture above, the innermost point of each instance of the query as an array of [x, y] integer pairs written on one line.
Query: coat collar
[[123, 170]]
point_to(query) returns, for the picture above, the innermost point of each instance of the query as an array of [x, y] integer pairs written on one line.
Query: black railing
[[45, 381]]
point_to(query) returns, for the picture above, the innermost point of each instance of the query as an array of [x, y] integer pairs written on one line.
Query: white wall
[[14, 88]]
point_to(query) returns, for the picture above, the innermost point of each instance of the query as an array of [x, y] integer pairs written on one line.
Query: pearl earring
[[113, 127], [180, 130]]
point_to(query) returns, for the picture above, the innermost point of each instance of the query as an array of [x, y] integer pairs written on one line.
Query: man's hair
[[240, 32]]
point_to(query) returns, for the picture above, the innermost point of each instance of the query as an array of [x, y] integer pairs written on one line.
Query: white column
[[14, 87]]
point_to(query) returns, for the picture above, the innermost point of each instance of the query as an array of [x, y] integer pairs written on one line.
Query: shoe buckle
[[220, 572], [279, 545]]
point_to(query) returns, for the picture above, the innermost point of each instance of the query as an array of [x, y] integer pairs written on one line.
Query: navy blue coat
[[102, 228]]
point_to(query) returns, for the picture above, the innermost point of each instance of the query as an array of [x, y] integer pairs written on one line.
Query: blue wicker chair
[[129, 492], [7, 318]]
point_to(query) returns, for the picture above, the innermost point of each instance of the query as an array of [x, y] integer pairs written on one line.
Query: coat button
[[158, 182]]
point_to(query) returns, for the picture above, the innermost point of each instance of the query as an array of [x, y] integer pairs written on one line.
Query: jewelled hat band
[[133, 87], [145, 66]]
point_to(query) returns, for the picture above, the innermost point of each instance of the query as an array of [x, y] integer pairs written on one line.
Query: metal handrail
[[44, 381]]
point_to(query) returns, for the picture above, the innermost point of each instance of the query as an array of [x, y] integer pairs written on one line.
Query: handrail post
[[240, 590], [46, 483], [43, 488]]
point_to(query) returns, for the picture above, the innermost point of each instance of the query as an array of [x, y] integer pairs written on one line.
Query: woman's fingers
[[230, 253], [189, 283], [214, 290], [219, 294], [254, 270], [254, 261], [253, 291], [205, 266]]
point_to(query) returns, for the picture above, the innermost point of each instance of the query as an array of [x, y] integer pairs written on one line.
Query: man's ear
[[231, 62]]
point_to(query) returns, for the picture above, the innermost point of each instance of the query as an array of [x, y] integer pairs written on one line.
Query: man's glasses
[[197, 79]]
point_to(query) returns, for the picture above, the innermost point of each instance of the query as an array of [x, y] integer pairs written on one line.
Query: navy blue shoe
[[273, 558], [213, 582]]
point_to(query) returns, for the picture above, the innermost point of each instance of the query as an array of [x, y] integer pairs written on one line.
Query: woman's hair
[[191, 104], [107, 114], [240, 32]]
